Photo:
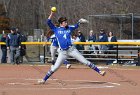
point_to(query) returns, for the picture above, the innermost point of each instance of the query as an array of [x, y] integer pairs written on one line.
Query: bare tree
[[30, 14]]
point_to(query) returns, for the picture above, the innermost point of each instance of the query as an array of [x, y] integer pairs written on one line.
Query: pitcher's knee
[[88, 63], [54, 68]]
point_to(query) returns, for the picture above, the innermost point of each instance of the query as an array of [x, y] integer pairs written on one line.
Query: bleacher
[[120, 53]]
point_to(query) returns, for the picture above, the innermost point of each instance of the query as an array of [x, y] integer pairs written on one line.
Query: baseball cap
[[13, 28], [102, 30]]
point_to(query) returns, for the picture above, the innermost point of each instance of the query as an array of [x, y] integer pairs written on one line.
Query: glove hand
[[82, 20]]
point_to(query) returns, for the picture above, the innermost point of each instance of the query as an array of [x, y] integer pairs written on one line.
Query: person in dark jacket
[[23, 47], [23, 38], [82, 39], [13, 43], [103, 38], [81, 36], [4, 49], [92, 36]]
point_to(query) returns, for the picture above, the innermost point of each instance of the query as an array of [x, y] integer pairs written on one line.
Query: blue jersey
[[54, 41], [63, 34]]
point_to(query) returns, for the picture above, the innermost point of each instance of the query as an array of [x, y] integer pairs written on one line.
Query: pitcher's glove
[[82, 20]]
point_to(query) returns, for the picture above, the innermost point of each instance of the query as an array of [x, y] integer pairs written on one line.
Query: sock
[[66, 62], [92, 66], [48, 75]]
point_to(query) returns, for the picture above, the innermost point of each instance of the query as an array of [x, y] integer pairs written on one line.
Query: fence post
[[138, 64], [117, 55], [44, 52]]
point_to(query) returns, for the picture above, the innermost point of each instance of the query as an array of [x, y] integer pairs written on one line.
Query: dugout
[[124, 26]]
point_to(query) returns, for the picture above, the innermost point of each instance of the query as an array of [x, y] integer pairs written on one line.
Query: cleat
[[68, 66], [102, 73], [41, 81], [53, 62]]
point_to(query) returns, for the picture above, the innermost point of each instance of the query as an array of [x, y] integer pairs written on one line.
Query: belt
[[66, 48]]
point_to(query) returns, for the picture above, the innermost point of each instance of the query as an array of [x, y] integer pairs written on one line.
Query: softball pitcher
[[63, 35]]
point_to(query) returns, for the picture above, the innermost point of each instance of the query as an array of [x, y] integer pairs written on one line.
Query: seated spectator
[[111, 38], [92, 38], [82, 39], [4, 49], [102, 38]]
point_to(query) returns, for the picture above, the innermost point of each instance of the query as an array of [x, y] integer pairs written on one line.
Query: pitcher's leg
[[66, 62], [59, 61], [76, 54]]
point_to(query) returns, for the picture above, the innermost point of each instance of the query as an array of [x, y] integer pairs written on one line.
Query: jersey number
[[65, 36]]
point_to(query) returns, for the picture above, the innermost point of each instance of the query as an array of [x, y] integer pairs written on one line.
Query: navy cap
[[13, 28]]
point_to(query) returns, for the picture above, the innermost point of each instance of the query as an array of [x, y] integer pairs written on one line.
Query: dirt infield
[[79, 80]]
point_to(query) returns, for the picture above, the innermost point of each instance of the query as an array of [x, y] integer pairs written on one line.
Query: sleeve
[[83, 39], [73, 27], [114, 39], [53, 36], [7, 40], [94, 38], [88, 38], [50, 24], [19, 39]]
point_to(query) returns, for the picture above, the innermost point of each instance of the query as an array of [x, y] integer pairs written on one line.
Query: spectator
[[102, 38], [75, 39], [111, 38], [13, 42], [81, 36], [92, 38], [4, 49], [82, 39], [23, 38]]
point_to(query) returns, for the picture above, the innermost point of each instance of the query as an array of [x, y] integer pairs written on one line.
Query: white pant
[[53, 50], [63, 54]]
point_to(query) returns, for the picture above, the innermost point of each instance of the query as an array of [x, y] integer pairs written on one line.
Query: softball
[[53, 9]]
